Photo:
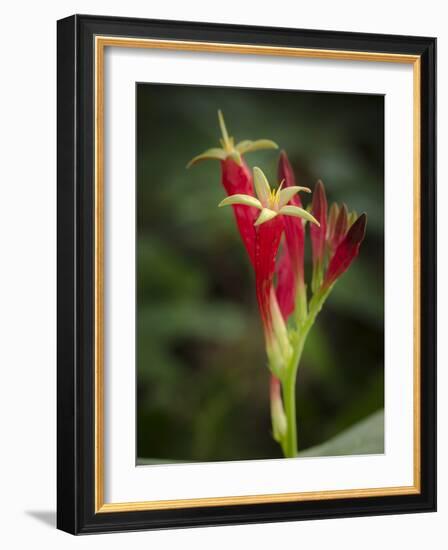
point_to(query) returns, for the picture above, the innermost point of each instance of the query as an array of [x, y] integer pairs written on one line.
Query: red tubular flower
[[290, 266], [237, 179], [318, 233], [346, 251], [266, 248]]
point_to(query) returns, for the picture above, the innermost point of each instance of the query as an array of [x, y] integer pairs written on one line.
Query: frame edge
[[66, 516]]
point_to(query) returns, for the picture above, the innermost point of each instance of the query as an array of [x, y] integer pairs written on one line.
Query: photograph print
[[260, 274]]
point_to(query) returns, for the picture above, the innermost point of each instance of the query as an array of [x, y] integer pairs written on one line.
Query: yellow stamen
[[274, 195]]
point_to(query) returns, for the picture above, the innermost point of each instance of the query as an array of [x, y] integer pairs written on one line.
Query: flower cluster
[[272, 224]]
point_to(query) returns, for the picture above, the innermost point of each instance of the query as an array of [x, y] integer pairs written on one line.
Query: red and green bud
[[318, 233], [346, 251]]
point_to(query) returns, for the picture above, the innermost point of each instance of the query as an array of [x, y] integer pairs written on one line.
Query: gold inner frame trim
[[101, 42]]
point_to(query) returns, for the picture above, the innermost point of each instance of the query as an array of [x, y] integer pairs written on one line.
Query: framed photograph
[[246, 274]]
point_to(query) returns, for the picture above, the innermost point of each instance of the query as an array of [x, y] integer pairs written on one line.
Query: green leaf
[[155, 461], [365, 437]]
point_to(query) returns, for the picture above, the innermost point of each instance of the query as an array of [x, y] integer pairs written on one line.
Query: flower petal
[[298, 212], [287, 194], [243, 146], [266, 215], [236, 157], [247, 146], [262, 187], [352, 217], [213, 153], [241, 199], [222, 125]]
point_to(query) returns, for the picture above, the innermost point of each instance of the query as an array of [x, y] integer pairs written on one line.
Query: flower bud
[[340, 228], [318, 233], [290, 267], [278, 416], [346, 252], [332, 218]]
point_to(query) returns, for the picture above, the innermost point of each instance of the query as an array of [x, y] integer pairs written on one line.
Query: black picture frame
[[76, 272]]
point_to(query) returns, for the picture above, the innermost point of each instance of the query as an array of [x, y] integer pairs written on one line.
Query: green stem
[[289, 381], [289, 396]]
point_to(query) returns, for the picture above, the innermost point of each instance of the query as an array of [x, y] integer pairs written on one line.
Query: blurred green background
[[202, 379]]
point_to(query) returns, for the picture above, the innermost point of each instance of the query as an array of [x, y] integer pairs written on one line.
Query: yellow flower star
[[228, 148], [271, 202]]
